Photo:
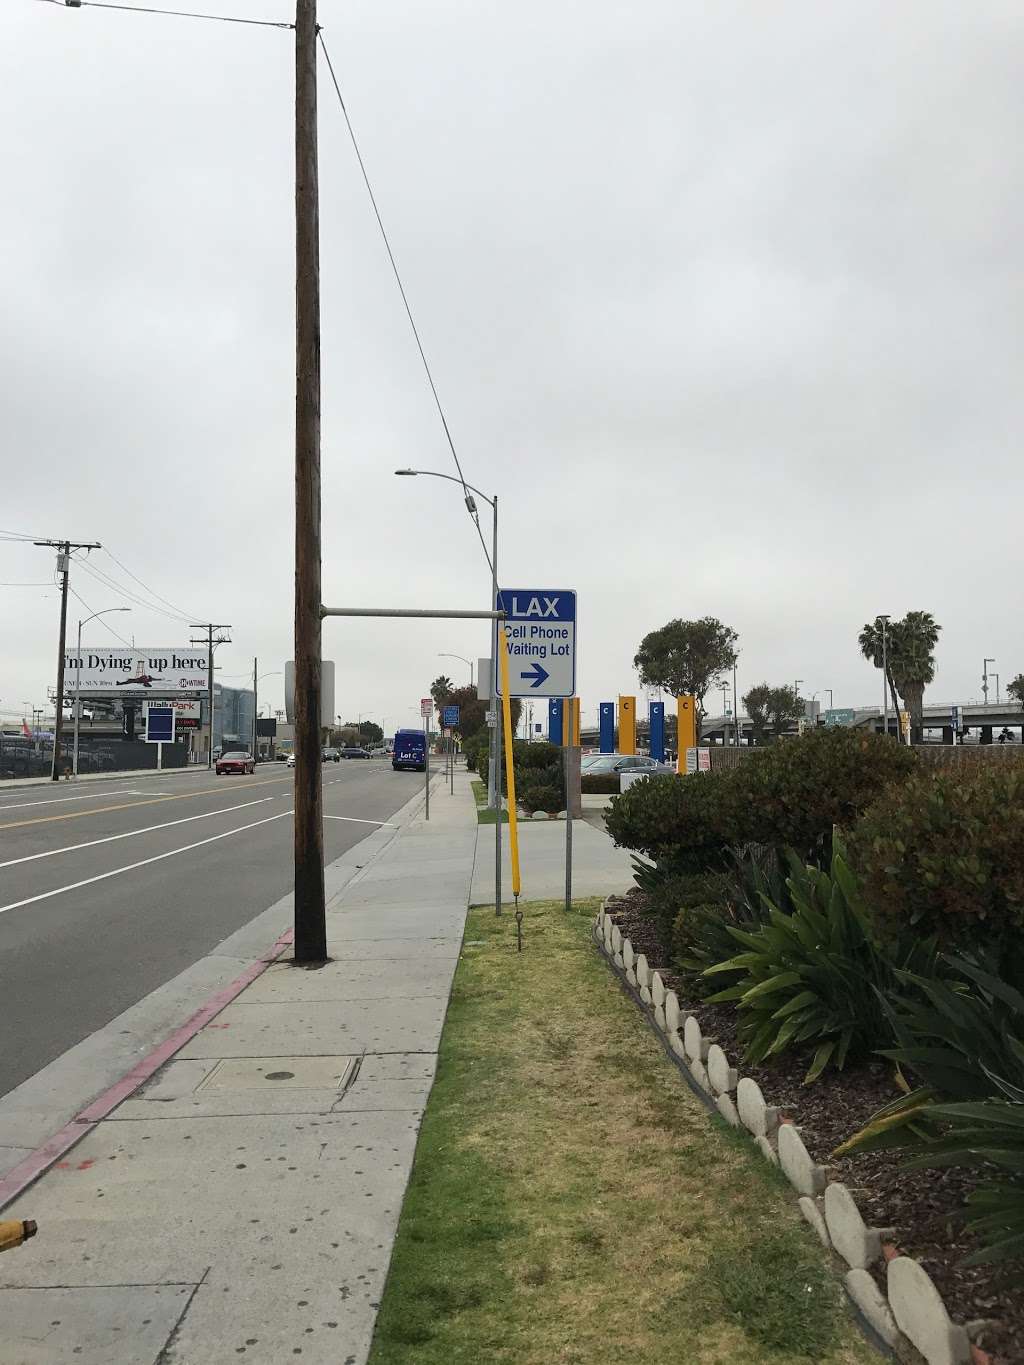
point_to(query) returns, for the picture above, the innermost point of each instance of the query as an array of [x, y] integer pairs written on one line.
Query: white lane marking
[[60, 800], [131, 833], [143, 862], [352, 819]]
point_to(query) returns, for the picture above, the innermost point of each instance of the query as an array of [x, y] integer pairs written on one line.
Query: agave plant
[[811, 975], [962, 1039], [954, 1036]]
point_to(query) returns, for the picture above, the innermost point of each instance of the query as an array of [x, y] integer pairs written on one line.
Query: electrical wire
[[175, 13], [44, 584], [127, 593], [138, 580], [99, 616], [394, 267]]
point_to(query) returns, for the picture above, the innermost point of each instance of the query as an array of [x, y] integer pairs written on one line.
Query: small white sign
[[426, 707]]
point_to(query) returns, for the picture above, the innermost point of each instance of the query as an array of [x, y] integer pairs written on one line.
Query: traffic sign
[[450, 716], [426, 707], [540, 627], [160, 724], [844, 715], [958, 720]]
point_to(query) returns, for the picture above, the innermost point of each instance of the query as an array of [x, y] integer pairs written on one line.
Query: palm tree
[[440, 688], [910, 655]]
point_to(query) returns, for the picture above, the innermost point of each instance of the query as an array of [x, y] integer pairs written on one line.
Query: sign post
[[159, 729], [426, 711]]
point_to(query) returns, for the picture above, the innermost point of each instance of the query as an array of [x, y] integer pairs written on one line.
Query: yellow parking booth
[[627, 725], [687, 729]]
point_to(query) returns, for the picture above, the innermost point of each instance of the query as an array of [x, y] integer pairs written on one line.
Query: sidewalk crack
[[163, 1358]]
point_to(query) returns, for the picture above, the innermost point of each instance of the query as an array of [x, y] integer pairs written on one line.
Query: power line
[[394, 265], [102, 577], [148, 589], [175, 13], [105, 626]]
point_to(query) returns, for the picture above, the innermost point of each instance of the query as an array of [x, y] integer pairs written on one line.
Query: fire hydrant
[[15, 1231]]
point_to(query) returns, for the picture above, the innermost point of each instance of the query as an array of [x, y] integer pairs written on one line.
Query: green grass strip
[[571, 1202]]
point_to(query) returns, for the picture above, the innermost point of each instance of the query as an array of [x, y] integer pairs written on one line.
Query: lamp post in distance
[[442, 655], [492, 560], [78, 678], [984, 677]]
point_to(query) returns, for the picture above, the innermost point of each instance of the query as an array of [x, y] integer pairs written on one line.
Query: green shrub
[[540, 777], [798, 790], [686, 821], [791, 795], [812, 976], [944, 855]]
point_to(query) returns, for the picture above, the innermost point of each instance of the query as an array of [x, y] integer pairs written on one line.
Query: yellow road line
[[131, 805]]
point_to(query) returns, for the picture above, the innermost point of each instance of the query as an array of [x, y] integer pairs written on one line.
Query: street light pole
[[78, 677], [442, 655], [984, 677], [885, 674], [494, 767]]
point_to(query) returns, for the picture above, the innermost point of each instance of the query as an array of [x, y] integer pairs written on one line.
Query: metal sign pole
[[568, 752], [426, 762]]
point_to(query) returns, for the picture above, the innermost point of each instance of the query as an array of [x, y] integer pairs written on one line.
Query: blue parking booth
[[657, 721], [555, 706], [607, 714]]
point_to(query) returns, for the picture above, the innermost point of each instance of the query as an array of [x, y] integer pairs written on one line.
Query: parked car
[[331, 755], [354, 751], [410, 750], [599, 765], [236, 762]]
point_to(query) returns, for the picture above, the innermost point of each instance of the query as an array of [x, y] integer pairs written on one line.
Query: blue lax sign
[[540, 627], [450, 716]]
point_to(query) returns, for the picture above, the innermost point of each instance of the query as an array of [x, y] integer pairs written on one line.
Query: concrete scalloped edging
[[908, 1320]]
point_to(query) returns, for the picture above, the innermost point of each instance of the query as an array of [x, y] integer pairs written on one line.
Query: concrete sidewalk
[[599, 868], [242, 1205]]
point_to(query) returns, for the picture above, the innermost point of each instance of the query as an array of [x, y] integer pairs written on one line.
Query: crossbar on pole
[[401, 611]]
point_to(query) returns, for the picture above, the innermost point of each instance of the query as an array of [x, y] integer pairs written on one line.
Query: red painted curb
[[37, 1163]]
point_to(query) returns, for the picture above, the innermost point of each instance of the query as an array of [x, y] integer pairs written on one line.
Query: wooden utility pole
[[63, 548], [310, 916], [209, 642]]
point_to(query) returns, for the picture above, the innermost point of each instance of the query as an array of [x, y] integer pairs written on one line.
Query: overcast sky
[[723, 300]]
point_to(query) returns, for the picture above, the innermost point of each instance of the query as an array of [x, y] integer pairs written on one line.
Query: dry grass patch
[[572, 1202]]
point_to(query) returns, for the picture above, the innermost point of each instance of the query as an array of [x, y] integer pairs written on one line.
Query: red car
[[236, 763]]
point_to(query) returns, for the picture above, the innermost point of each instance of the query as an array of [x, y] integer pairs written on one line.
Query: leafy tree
[[441, 689], [685, 657], [370, 732], [772, 710], [472, 711], [1016, 688], [910, 655]]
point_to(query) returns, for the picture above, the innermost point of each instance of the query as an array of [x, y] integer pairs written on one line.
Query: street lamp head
[[407, 473]]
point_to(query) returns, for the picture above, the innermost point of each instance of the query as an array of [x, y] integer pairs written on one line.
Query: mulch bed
[[920, 1205]]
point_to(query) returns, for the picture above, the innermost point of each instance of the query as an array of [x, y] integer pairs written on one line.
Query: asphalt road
[[110, 889]]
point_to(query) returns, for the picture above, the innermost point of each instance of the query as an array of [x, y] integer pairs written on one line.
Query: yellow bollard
[[14, 1231], [510, 770]]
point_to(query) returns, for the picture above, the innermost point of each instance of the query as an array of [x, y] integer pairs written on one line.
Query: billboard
[[135, 671], [187, 711]]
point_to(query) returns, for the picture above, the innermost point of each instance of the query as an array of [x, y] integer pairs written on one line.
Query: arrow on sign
[[536, 675]]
